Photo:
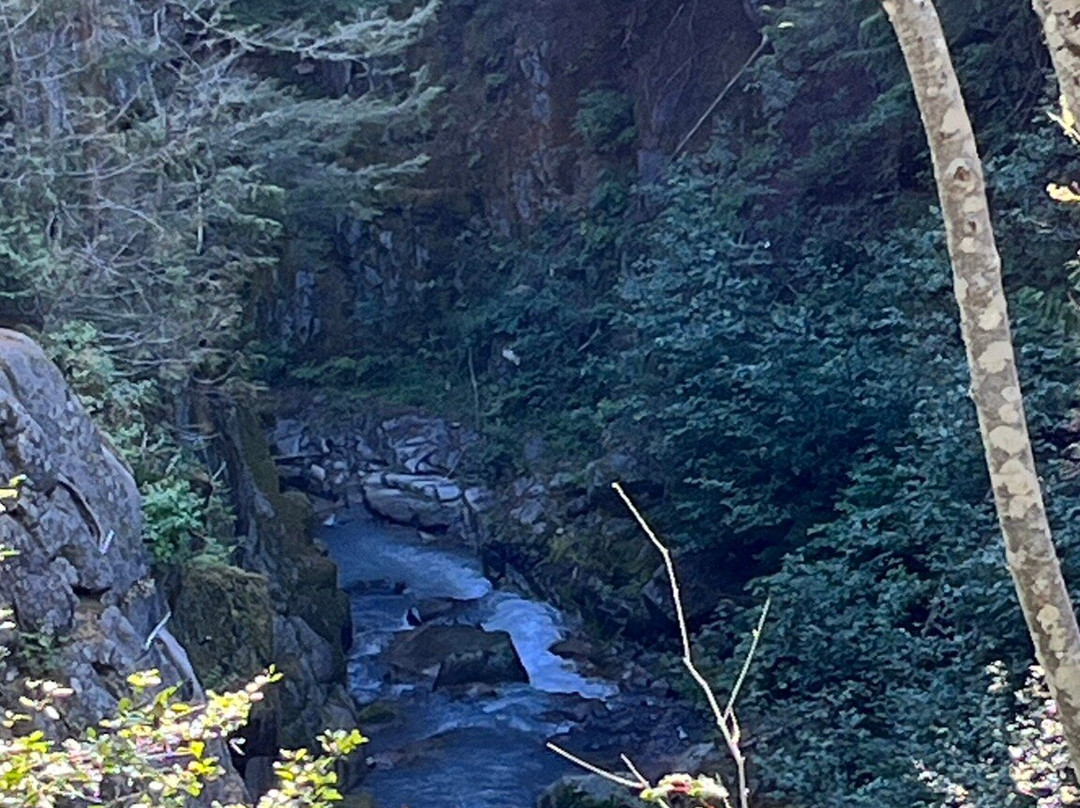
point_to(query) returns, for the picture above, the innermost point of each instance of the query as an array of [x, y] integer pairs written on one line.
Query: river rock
[[573, 648], [460, 655], [432, 608], [287, 437], [423, 445], [480, 499], [423, 501], [488, 667]]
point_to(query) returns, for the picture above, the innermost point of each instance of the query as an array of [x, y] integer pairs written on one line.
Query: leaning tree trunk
[[1061, 25], [995, 386]]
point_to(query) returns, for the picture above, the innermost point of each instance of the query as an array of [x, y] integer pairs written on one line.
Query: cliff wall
[[79, 587]]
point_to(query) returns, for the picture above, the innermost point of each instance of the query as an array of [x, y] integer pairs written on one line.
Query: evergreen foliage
[[152, 175], [149, 171]]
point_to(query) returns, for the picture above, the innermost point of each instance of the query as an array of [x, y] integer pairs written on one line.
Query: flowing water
[[481, 749]]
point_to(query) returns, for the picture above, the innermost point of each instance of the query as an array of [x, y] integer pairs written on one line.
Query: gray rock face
[[79, 587], [401, 468], [423, 445]]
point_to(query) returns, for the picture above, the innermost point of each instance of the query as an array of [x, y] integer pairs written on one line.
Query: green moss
[[308, 579], [224, 617], [256, 452], [378, 712]]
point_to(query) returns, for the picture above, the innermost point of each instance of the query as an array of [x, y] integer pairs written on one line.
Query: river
[[483, 747]]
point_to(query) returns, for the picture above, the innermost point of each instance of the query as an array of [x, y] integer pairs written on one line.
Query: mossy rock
[[378, 712], [317, 599], [224, 617], [256, 451], [309, 583]]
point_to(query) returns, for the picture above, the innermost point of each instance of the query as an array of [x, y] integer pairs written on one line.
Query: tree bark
[[995, 386], [1061, 25]]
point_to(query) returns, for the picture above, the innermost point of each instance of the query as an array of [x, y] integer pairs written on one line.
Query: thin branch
[[634, 770], [726, 720], [595, 769], [680, 615], [755, 639]]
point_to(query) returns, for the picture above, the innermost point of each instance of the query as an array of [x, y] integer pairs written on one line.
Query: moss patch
[[378, 712], [224, 617]]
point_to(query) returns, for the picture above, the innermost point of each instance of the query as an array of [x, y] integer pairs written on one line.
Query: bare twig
[[633, 769], [638, 784], [726, 720], [755, 638]]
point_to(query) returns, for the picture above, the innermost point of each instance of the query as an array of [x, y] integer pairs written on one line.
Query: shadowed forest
[[694, 247]]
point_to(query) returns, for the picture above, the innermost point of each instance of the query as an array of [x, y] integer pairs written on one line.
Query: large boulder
[[424, 501], [225, 617], [79, 588], [457, 655]]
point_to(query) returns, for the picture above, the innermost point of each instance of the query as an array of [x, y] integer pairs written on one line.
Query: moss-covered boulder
[[224, 616], [308, 614]]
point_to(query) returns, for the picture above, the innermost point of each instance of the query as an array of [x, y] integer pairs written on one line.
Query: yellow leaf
[[1061, 193]]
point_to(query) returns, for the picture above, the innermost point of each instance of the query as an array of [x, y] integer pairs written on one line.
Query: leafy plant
[[175, 521], [154, 751], [605, 120]]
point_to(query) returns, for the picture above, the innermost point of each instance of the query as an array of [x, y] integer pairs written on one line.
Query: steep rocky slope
[[80, 586], [88, 611]]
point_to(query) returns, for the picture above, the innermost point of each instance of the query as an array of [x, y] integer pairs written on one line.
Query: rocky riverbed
[[463, 680]]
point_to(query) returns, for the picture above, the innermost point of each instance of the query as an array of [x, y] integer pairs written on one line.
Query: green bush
[[154, 751], [605, 120], [174, 520]]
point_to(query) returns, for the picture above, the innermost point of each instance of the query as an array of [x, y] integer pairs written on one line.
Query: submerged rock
[[492, 666]]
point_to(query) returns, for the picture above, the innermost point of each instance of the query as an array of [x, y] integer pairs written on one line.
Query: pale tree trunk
[[995, 386], [1061, 25]]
